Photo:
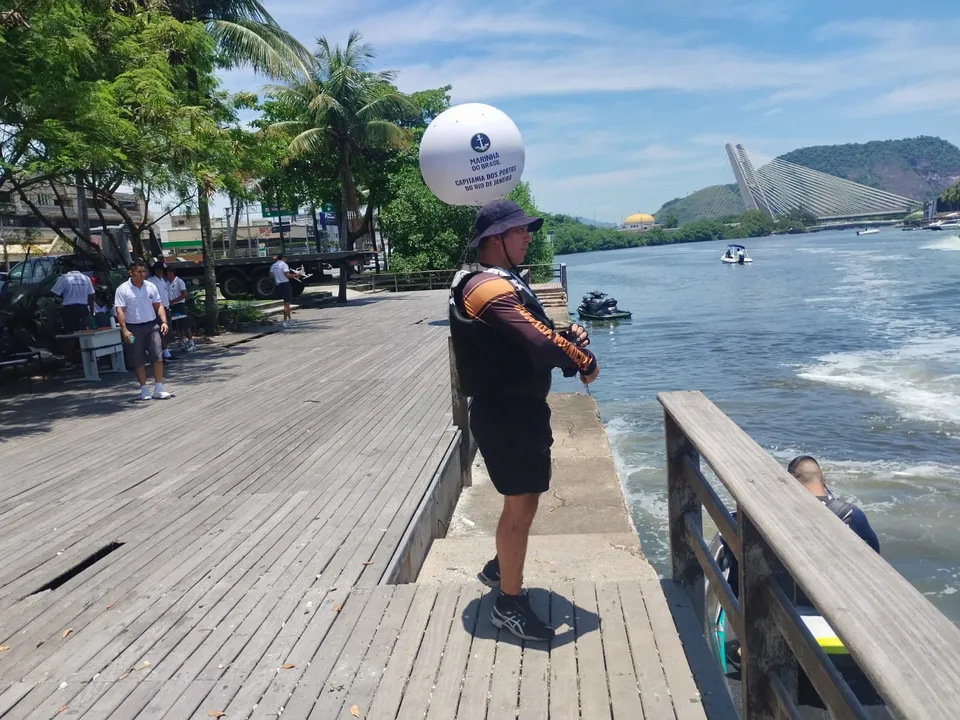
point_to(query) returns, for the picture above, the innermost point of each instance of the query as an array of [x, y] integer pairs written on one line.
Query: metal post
[[682, 500], [765, 654], [563, 276], [461, 416]]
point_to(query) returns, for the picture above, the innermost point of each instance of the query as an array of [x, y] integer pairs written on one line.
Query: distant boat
[[944, 225], [868, 231], [736, 255]]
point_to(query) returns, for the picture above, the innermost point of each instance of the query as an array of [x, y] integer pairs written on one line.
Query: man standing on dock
[[506, 348]]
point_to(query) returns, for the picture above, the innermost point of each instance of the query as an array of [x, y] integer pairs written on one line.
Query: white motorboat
[[736, 255], [868, 231], [944, 225]]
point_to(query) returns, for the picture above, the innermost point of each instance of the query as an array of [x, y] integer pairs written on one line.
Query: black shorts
[[285, 291], [514, 438], [147, 346], [74, 317]]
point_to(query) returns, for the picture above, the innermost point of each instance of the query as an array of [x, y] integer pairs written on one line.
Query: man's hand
[[125, 334], [164, 329], [577, 334], [590, 377]]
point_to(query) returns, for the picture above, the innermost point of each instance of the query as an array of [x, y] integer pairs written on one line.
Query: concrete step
[[550, 559], [278, 310]]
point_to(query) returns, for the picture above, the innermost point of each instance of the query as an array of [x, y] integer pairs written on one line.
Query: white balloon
[[471, 154]]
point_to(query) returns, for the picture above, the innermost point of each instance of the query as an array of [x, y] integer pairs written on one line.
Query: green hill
[[919, 168], [710, 202]]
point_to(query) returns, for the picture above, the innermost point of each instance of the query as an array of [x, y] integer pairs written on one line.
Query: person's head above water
[[502, 233], [807, 470]]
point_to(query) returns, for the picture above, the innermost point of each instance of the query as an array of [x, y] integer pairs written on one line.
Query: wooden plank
[[564, 689], [387, 698], [621, 676], [535, 671], [416, 696], [362, 687], [594, 698], [333, 665], [683, 690], [915, 665], [445, 698], [505, 680], [654, 694]]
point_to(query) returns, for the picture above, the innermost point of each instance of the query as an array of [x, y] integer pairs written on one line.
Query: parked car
[[25, 294]]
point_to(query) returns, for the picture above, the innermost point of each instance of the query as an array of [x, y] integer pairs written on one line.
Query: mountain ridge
[[920, 168]]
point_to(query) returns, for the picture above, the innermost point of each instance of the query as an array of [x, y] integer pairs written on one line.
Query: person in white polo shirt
[[77, 294], [139, 306], [281, 278], [160, 283]]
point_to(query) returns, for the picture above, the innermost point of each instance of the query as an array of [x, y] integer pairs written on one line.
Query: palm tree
[[245, 34], [341, 107]]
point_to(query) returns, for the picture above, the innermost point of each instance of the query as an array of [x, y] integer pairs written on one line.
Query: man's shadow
[[569, 621]]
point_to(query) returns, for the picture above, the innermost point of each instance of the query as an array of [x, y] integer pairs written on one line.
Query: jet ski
[[597, 306]]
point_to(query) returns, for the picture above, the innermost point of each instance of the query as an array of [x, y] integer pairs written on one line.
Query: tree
[[244, 34], [669, 220], [89, 98], [344, 109], [951, 197]]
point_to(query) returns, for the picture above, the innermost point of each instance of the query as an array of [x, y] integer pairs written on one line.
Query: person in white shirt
[[139, 306], [160, 282], [77, 293], [177, 290], [281, 277]]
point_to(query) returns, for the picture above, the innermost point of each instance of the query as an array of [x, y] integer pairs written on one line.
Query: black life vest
[[489, 363]]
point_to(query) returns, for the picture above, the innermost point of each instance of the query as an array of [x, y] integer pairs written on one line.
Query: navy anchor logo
[[480, 143]]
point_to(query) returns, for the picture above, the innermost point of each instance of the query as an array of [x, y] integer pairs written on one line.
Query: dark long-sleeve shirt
[[494, 301]]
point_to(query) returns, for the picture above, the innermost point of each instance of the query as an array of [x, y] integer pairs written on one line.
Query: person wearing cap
[[505, 349]]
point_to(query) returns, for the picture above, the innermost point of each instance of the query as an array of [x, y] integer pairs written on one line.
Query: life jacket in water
[[489, 363]]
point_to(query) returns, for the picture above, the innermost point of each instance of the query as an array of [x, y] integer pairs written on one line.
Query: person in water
[[505, 348], [807, 470]]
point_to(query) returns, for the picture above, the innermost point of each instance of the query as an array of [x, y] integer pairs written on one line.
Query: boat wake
[[947, 244]]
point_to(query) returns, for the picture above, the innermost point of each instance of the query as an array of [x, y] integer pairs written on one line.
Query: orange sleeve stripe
[[572, 351], [478, 298]]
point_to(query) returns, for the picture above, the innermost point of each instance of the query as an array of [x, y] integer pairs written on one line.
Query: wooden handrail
[[906, 647]]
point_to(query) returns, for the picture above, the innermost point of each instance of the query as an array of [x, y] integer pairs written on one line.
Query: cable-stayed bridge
[[776, 187]]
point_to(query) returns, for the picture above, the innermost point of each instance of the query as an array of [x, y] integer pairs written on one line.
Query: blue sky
[[625, 105]]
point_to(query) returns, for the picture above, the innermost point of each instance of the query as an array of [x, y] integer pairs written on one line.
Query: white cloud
[[773, 111], [941, 94]]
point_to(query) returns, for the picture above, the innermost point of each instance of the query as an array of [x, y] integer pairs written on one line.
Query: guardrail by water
[[441, 279], [785, 539]]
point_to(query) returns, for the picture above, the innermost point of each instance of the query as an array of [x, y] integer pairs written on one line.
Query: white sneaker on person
[[161, 395], [167, 355], [144, 393], [191, 345], [286, 323]]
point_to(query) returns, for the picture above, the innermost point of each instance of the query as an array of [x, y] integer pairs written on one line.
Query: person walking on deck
[[139, 306], [506, 348], [77, 298], [282, 276]]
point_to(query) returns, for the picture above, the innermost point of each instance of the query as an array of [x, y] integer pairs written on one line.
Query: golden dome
[[639, 218]]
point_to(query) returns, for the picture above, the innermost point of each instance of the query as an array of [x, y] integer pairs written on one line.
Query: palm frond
[[384, 132], [246, 42], [314, 141]]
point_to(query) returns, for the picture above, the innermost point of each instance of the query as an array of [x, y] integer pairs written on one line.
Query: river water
[[842, 347]]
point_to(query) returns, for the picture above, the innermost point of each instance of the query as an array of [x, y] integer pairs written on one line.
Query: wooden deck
[[224, 552]]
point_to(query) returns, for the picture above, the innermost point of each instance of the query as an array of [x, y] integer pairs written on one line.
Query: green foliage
[[668, 220], [572, 236], [239, 313], [950, 199]]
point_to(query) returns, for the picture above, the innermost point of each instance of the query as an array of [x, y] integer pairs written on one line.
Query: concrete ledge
[[583, 529], [430, 520]]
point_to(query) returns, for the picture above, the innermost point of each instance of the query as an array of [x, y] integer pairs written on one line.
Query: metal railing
[[785, 540], [441, 279]]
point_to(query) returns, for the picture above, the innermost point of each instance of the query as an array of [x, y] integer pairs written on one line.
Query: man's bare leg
[[286, 311], [141, 373], [157, 373], [512, 533]]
